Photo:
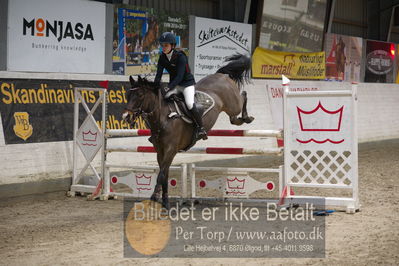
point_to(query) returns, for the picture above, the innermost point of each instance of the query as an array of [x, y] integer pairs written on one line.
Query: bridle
[[138, 111]]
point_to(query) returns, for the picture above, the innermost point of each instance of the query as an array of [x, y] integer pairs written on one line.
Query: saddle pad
[[200, 97], [205, 100]]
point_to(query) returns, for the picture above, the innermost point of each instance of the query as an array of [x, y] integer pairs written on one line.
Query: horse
[[150, 38], [340, 59], [169, 136]]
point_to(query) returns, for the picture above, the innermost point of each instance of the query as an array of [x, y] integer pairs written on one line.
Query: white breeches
[[189, 96], [188, 93]]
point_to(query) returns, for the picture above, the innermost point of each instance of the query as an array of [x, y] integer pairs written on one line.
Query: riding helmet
[[167, 37]]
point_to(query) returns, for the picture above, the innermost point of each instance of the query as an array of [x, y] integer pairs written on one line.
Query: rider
[[180, 78]]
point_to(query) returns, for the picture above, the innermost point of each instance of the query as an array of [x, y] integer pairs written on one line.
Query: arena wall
[[27, 164]]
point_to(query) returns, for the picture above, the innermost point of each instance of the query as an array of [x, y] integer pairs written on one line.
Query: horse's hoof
[[154, 198], [165, 204], [202, 136], [249, 119]]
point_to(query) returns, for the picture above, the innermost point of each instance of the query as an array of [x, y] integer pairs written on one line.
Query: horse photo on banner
[[343, 57], [136, 33]]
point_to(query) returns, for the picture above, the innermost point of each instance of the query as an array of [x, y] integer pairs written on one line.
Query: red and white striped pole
[[200, 150], [216, 132]]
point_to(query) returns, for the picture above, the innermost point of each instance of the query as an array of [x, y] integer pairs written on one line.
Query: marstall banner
[[56, 36], [136, 32], [292, 26], [214, 41], [43, 110], [272, 64]]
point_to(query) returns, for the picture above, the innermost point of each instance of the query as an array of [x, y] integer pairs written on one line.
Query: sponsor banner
[[215, 40], [136, 32], [292, 26], [380, 57], [56, 36], [397, 63], [343, 57], [42, 110], [272, 64]]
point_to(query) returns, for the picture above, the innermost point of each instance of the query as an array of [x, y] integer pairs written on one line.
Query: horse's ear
[[140, 79], [131, 79]]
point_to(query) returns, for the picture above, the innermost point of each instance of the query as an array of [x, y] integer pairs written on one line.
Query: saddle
[[178, 109]]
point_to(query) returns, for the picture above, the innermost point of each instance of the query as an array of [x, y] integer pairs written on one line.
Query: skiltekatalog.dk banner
[[221, 230]]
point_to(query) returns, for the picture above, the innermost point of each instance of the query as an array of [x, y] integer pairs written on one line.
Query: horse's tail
[[238, 68]]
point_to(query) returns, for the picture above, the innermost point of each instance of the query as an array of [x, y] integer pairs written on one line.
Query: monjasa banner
[[43, 110], [56, 36]]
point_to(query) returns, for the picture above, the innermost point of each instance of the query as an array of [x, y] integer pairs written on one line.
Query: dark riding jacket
[[178, 69]]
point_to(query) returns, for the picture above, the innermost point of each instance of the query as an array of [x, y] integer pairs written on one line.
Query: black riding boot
[[201, 133]]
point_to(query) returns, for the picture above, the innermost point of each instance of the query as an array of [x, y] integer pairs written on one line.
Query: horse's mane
[[238, 68]]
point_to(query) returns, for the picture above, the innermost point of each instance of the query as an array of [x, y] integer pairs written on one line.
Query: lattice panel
[[320, 140], [320, 167]]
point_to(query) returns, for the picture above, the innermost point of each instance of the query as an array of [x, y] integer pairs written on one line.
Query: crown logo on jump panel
[[235, 186], [235, 183], [308, 121], [89, 136], [143, 180]]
